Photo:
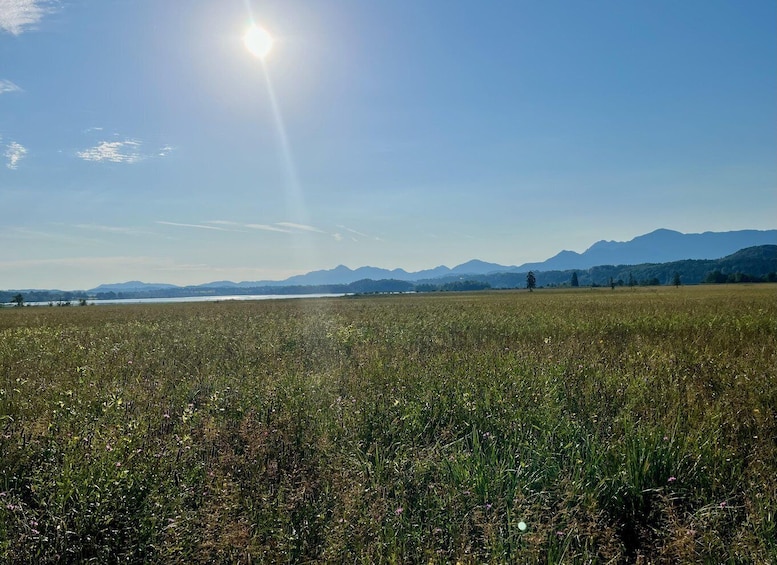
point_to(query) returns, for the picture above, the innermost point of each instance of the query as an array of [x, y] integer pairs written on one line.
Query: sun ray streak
[[295, 202], [302, 250]]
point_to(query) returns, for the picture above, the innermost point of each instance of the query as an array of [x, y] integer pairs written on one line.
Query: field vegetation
[[577, 426]]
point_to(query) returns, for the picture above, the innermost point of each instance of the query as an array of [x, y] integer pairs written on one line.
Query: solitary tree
[[676, 279], [574, 282], [632, 280], [18, 300], [531, 281]]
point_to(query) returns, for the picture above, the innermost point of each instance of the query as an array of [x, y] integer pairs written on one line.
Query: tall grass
[[582, 426]]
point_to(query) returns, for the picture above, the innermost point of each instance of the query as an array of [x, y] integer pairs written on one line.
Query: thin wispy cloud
[[127, 152], [8, 86], [222, 223], [353, 231], [111, 229], [14, 152], [26, 233], [165, 150], [300, 227], [357, 235], [113, 152], [196, 226], [18, 16], [58, 233], [265, 227], [279, 227], [295, 228], [241, 227], [79, 234]]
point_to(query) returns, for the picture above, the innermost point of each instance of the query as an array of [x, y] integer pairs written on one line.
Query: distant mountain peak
[[660, 231], [131, 286], [659, 246], [477, 267]]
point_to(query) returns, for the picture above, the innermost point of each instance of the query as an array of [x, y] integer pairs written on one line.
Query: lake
[[194, 299]]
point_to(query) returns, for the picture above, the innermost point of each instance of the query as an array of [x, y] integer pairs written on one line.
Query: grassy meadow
[[577, 426]]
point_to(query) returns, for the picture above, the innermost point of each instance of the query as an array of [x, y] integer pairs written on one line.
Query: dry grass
[[626, 426]]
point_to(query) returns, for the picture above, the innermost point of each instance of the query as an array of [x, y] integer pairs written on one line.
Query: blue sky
[[141, 140]]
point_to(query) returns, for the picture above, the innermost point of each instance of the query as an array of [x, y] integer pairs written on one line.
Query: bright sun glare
[[258, 41]]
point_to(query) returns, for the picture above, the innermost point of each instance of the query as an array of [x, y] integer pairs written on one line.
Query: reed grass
[[636, 425]]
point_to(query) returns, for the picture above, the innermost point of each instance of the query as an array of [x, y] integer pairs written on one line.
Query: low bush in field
[[502, 427]]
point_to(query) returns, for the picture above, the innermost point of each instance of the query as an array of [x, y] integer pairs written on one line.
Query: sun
[[258, 41]]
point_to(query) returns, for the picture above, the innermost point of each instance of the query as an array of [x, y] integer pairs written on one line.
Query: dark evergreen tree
[[676, 279], [531, 281], [574, 282]]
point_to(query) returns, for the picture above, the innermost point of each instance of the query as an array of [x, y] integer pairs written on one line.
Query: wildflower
[[399, 510], [723, 504], [488, 506], [560, 534], [118, 464], [522, 526], [671, 479]]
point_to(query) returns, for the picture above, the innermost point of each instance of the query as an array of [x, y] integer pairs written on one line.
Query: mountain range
[[659, 246]]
